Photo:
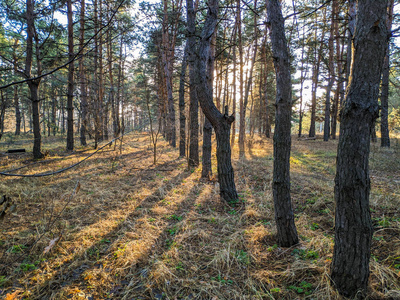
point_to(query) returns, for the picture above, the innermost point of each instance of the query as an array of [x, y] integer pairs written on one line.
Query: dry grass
[[139, 231]]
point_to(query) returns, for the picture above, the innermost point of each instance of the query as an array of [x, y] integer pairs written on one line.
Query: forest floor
[[119, 227]]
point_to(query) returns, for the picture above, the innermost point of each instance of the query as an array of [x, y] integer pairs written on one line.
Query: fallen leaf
[[51, 245], [12, 296]]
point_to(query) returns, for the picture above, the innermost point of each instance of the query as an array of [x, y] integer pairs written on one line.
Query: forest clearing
[[119, 227], [219, 149]]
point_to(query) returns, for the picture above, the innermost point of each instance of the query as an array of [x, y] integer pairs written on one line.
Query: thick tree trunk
[[70, 93], [353, 226], [284, 217], [221, 123]]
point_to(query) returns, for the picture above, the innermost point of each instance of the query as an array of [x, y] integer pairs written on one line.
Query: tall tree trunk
[[318, 57], [33, 84], [95, 84], [83, 87], [340, 80], [206, 171], [70, 93], [220, 122], [242, 111], [284, 217], [182, 116], [353, 226], [331, 72], [194, 106], [385, 139], [16, 98], [234, 90]]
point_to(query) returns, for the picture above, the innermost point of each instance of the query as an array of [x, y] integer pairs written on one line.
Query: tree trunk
[[284, 217], [83, 87], [33, 84], [70, 95], [194, 106], [221, 123], [331, 72], [206, 171], [242, 109], [385, 139], [182, 117], [353, 226]]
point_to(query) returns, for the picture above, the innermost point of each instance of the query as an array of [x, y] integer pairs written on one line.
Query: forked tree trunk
[[284, 217], [220, 122], [353, 226]]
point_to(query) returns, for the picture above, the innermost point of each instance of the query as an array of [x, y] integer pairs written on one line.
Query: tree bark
[[385, 139], [331, 72], [33, 84], [182, 116], [242, 109], [194, 106], [284, 217], [83, 87], [70, 93], [353, 226], [220, 122]]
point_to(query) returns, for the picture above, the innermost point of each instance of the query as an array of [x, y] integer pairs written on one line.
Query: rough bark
[[206, 171], [193, 106], [70, 92], [331, 72], [353, 226], [385, 139], [284, 217], [82, 73], [33, 84], [220, 122]]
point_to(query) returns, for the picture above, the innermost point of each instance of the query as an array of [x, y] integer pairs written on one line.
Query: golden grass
[[139, 231]]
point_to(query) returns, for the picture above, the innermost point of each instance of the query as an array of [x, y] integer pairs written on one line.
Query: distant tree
[[353, 226], [385, 139], [70, 92]]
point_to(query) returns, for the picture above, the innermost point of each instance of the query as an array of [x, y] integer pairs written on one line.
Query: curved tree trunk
[[221, 123], [284, 217], [353, 226]]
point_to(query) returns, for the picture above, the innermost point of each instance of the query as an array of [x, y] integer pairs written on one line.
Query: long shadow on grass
[[69, 272], [136, 285]]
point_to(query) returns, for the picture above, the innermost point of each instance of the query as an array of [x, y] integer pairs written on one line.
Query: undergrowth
[[118, 227]]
